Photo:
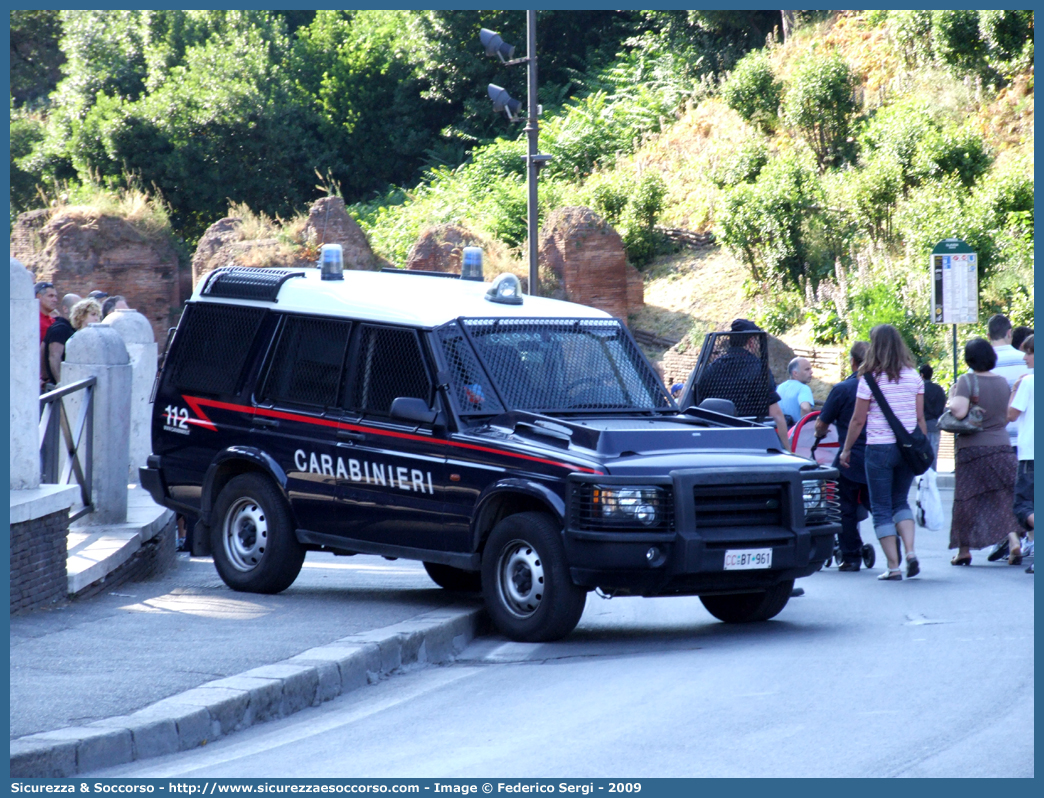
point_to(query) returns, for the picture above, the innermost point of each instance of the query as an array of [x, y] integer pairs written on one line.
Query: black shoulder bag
[[914, 446]]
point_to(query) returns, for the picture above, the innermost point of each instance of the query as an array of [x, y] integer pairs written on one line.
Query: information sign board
[[955, 283]]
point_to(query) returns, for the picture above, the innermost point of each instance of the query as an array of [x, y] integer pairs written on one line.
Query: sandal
[[891, 576], [961, 560], [1015, 557], [912, 566]]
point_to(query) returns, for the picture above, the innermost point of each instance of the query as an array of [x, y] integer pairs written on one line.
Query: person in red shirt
[[47, 296]]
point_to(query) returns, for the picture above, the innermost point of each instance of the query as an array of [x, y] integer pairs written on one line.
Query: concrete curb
[[224, 706]]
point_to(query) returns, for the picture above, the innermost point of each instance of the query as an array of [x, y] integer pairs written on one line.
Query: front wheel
[[455, 579], [749, 607], [252, 538], [525, 580]]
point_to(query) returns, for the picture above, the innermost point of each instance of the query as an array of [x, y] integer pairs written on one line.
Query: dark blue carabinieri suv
[[518, 445]]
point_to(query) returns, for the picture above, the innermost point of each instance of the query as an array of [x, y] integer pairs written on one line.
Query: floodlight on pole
[[496, 46], [503, 102]]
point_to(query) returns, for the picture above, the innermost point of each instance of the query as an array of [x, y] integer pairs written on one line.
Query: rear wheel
[[456, 579], [525, 580], [252, 538], [749, 607]]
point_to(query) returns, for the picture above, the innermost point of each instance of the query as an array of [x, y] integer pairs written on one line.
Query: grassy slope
[[698, 290]]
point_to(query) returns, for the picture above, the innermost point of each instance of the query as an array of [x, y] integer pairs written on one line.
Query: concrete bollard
[[98, 351], [25, 381], [138, 337]]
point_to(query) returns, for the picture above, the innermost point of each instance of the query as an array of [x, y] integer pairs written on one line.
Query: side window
[[469, 384], [388, 364], [306, 364], [211, 347]]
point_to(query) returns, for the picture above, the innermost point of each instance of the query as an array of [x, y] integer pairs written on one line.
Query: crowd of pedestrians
[[993, 459], [61, 318]]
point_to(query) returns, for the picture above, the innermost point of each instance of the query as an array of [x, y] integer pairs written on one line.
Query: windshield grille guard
[[547, 365]]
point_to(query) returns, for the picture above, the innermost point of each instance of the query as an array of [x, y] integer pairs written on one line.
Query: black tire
[[252, 537], [869, 555], [525, 580], [750, 607], [455, 579]]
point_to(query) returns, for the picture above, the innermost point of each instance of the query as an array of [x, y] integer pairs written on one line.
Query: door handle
[[268, 423], [348, 435]]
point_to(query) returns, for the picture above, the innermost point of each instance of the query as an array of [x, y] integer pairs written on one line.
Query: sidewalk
[[168, 664]]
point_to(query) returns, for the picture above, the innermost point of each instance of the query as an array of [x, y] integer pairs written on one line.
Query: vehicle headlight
[[628, 505], [820, 499]]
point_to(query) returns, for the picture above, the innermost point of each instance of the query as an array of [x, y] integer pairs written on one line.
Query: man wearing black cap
[[743, 378]]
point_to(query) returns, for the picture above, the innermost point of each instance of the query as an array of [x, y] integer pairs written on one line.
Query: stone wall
[[81, 251], [586, 257], [38, 553]]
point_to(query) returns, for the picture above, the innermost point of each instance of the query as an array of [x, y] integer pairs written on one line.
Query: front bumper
[[689, 557]]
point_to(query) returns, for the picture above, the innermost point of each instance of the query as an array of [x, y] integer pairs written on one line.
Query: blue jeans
[[888, 478]]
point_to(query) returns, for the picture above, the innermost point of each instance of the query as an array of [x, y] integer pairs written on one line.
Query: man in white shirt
[[1010, 364], [795, 397], [1020, 411]]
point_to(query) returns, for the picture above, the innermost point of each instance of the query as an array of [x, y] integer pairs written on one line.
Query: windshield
[[549, 366]]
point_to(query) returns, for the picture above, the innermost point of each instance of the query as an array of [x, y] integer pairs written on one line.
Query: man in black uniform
[[741, 376], [851, 484], [934, 405]]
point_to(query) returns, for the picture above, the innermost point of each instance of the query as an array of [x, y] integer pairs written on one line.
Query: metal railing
[[55, 428]]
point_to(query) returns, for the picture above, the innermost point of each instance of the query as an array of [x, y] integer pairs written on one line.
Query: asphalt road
[[926, 677]]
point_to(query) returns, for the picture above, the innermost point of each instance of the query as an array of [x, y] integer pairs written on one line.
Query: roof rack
[[247, 282], [394, 270]]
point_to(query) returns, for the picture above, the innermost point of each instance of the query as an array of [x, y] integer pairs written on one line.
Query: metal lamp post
[[495, 46]]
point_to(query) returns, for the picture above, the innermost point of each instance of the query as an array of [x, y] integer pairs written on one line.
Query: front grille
[[828, 509], [586, 515], [739, 505]]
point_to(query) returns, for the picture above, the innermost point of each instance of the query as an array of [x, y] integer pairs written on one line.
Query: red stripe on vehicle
[[195, 402]]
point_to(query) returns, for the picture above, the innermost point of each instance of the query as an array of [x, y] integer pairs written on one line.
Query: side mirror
[[410, 408]]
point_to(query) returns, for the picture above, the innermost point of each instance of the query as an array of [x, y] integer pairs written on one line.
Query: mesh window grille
[[213, 343], [734, 366], [389, 364], [470, 386], [306, 366], [566, 364]]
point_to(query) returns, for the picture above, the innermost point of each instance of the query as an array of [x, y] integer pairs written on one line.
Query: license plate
[[747, 559]]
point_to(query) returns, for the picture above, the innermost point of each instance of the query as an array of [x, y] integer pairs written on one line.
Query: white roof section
[[409, 299]]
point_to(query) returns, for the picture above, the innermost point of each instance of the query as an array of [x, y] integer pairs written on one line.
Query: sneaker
[[891, 576], [912, 566], [1027, 548], [1029, 570], [848, 566], [1000, 550]]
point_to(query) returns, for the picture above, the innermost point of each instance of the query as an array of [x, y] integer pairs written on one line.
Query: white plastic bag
[[929, 505]]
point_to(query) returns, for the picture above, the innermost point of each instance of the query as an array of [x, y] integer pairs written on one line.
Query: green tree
[[36, 58], [819, 103]]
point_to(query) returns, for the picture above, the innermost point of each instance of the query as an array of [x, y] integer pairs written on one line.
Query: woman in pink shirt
[[888, 477]]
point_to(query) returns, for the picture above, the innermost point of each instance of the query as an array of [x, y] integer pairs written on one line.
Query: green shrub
[[898, 131], [913, 34], [609, 199], [753, 91], [961, 153], [784, 311], [828, 328], [1009, 39], [640, 238], [878, 302], [819, 103], [873, 193], [956, 41], [742, 165], [766, 223]]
